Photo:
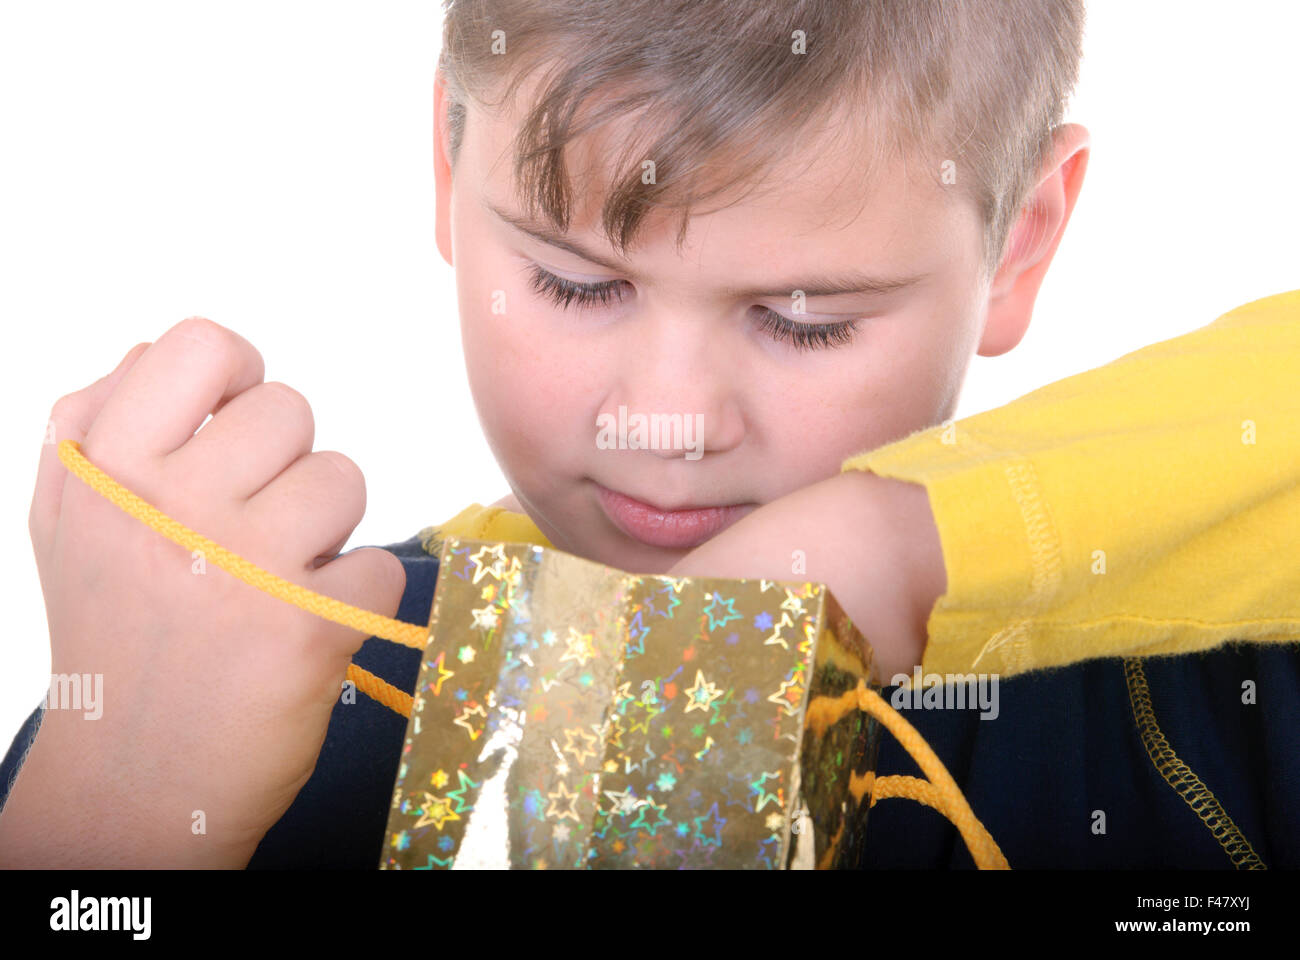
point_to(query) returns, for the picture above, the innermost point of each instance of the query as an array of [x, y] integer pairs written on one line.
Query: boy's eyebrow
[[548, 235], [824, 287]]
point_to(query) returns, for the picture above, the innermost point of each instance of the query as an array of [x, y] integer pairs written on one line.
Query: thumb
[[70, 419], [370, 578]]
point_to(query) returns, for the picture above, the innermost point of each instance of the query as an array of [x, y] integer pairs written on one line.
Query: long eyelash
[[565, 292], [802, 336], [806, 336]]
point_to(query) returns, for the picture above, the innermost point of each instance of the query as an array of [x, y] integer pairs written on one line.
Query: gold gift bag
[[689, 722], [571, 715]]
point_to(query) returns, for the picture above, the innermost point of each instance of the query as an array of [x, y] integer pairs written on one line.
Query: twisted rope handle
[[372, 624], [938, 790]]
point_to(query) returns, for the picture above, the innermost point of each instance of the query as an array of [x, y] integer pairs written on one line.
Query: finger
[[248, 443], [69, 420], [192, 370], [311, 507], [370, 578]]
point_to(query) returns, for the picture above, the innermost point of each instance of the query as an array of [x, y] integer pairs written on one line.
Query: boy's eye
[[805, 336], [566, 292], [802, 336]]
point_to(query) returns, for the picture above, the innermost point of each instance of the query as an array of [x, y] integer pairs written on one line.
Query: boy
[[936, 167]]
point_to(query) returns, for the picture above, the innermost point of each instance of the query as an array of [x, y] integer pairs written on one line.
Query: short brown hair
[[718, 84]]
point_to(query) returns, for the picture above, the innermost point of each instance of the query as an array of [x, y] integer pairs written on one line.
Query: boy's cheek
[[527, 418]]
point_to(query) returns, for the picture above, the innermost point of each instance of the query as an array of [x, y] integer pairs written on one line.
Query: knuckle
[[290, 399], [354, 480], [230, 347], [66, 408], [208, 331]]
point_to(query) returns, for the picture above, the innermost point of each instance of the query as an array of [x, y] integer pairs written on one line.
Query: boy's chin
[[632, 557]]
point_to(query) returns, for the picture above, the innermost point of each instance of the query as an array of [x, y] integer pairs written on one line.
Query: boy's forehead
[[824, 192]]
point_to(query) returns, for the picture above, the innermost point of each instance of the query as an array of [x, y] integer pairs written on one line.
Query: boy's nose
[[679, 386]]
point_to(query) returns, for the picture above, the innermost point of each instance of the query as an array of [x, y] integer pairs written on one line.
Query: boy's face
[[685, 334]]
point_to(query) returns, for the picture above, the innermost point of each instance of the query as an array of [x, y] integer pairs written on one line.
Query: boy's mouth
[[677, 529]]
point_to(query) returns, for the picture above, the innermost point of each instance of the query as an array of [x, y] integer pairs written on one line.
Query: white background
[[269, 165]]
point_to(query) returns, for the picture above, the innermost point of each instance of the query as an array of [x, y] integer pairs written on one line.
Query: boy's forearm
[[68, 809], [871, 539]]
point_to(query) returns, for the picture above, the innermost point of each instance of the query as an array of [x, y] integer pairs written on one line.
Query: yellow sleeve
[[1149, 506]]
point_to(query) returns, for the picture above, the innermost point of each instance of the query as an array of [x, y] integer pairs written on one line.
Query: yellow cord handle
[[371, 624], [939, 791]]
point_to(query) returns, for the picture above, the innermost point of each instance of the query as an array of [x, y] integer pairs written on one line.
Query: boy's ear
[[441, 168], [1033, 242]]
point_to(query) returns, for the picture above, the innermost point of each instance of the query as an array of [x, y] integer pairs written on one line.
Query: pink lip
[[674, 529]]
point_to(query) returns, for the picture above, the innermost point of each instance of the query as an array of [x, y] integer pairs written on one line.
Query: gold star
[[498, 567], [464, 721], [787, 697], [774, 821], [439, 778], [570, 801], [624, 801], [485, 617], [613, 733], [580, 647], [443, 673], [515, 572], [809, 634], [580, 752], [702, 694], [775, 638], [436, 811]]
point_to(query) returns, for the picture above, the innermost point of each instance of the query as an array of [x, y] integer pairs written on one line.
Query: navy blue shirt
[[1108, 763]]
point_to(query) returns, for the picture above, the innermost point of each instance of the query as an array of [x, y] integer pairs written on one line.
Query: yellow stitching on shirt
[[1181, 777], [1045, 562]]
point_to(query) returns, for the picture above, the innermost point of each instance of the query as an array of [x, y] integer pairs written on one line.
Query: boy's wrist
[[69, 810], [889, 569]]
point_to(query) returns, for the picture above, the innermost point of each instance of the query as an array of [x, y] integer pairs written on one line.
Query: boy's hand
[[215, 695], [871, 539]]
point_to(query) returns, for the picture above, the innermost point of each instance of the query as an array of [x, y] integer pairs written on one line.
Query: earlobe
[[1033, 242], [1005, 327], [441, 170]]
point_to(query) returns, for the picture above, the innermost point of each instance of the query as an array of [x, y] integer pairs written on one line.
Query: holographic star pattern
[[598, 719]]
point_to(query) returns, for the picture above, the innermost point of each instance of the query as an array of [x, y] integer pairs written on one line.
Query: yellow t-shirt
[[477, 522], [1149, 506]]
